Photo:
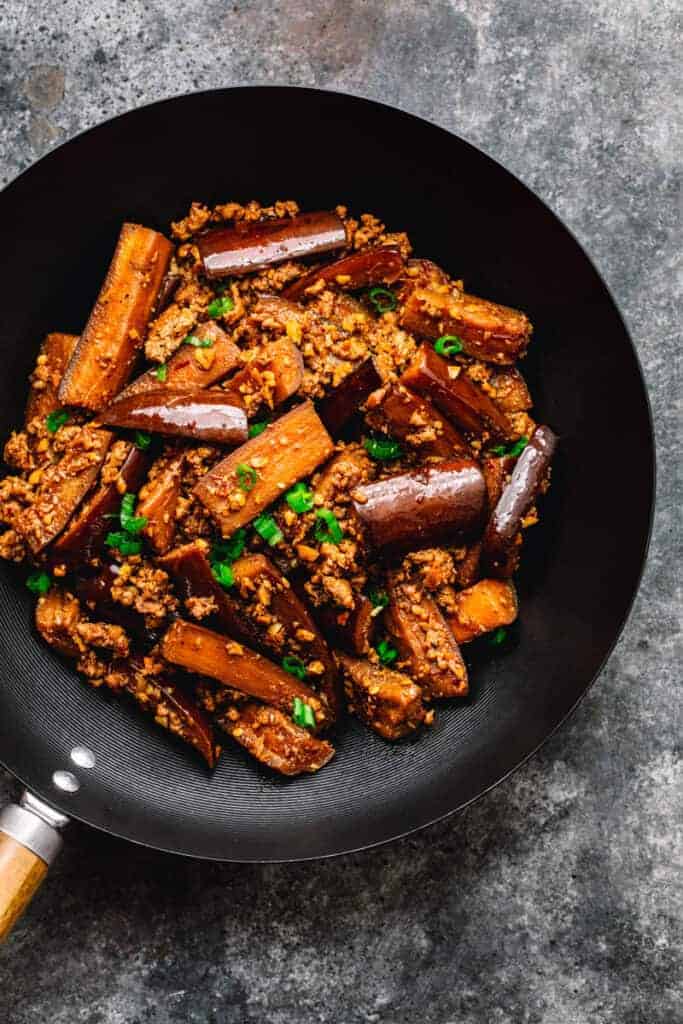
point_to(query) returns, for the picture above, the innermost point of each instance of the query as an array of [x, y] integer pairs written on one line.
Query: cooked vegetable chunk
[[425, 641], [95, 592], [206, 653], [487, 330], [255, 245], [201, 415], [380, 265], [446, 502], [511, 391], [53, 358], [57, 615], [274, 739], [487, 605], [388, 701], [528, 478], [456, 395], [285, 452], [275, 373], [402, 413], [352, 630], [158, 501], [342, 403], [105, 355]]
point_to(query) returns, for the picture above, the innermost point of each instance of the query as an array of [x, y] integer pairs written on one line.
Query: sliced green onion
[[386, 653], [448, 345], [142, 440], [39, 582], [223, 573], [196, 342], [231, 549], [379, 598], [511, 450], [383, 299], [257, 428], [56, 419], [220, 306], [129, 521], [300, 498], [498, 637], [382, 449], [246, 476], [267, 528], [302, 714], [331, 532], [161, 372], [294, 666], [126, 544]]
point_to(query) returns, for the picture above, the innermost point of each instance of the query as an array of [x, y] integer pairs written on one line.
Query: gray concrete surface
[[557, 899]]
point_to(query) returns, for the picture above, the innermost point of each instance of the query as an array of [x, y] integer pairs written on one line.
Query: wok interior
[[581, 565]]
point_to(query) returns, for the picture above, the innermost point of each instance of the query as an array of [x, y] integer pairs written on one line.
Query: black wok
[[60, 221]]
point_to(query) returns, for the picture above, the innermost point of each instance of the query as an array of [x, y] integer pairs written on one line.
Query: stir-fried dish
[[283, 474]]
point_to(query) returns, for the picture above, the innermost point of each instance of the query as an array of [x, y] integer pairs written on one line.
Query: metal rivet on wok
[[83, 757], [66, 781]]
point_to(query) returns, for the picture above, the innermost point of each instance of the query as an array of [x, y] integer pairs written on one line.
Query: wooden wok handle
[[29, 842]]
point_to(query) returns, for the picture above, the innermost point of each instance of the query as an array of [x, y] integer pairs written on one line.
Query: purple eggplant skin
[[352, 630], [344, 401], [441, 503], [83, 539], [382, 264], [256, 245], [95, 593], [528, 476], [169, 286], [201, 415], [191, 572]]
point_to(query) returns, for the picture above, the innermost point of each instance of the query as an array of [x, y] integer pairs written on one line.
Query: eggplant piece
[[62, 488], [83, 538], [406, 415], [57, 615], [425, 641], [386, 700], [256, 245], [274, 739], [169, 286], [280, 362], [169, 706], [191, 572], [106, 353], [343, 402], [528, 478], [158, 502], [380, 265], [468, 569], [456, 395], [441, 503], [200, 415], [287, 451], [299, 629], [95, 594], [487, 605], [351, 630], [206, 653], [488, 331], [511, 391], [191, 368], [53, 359]]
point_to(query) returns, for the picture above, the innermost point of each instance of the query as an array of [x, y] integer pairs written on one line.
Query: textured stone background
[[557, 899]]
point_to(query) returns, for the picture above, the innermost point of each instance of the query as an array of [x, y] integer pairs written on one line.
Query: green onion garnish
[[223, 573], [246, 476], [231, 549], [382, 449], [383, 299], [331, 532], [196, 342], [300, 498], [126, 544], [379, 598], [142, 440], [294, 666], [267, 528], [39, 582], [386, 653], [129, 521], [257, 428], [161, 372], [448, 345], [56, 419], [220, 306], [498, 637], [511, 450], [302, 714]]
